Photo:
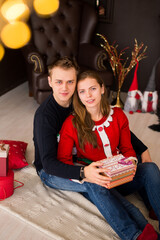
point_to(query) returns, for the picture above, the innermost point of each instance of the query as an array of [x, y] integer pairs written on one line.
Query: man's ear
[[49, 81]]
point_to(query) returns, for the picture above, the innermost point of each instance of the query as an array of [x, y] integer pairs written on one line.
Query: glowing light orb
[[15, 35], [2, 51], [46, 7], [15, 10]]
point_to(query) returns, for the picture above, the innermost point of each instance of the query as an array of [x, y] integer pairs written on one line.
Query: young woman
[[98, 132]]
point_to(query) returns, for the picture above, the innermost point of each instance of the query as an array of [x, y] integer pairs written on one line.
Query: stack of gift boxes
[[120, 170]]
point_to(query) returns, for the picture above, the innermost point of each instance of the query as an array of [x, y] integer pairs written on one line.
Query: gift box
[[7, 185], [120, 170], [4, 149]]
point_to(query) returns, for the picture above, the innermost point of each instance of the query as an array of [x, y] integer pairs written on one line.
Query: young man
[[50, 116]]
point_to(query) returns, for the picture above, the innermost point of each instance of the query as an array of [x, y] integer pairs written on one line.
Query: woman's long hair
[[82, 120]]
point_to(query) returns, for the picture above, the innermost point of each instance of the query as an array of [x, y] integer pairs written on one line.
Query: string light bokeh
[[14, 14], [2, 51], [45, 8], [15, 10]]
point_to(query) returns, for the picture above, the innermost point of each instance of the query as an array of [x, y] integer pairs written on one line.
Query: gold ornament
[[118, 64]]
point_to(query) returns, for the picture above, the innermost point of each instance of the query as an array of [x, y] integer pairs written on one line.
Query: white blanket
[[62, 215]]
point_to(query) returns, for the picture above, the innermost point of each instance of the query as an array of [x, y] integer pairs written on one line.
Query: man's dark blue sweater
[[48, 121]]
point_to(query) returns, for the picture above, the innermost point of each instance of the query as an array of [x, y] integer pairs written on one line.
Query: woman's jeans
[[127, 221]]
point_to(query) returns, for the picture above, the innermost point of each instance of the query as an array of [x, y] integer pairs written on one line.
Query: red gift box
[[7, 185], [4, 149]]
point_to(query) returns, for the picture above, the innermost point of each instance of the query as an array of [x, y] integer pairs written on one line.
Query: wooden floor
[[17, 111]]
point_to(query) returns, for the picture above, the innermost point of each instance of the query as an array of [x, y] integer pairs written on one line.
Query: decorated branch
[[118, 63]]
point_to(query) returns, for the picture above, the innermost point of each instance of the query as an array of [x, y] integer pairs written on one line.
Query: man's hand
[[146, 156], [93, 174]]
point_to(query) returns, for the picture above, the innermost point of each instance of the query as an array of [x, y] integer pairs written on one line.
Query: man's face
[[63, 83]]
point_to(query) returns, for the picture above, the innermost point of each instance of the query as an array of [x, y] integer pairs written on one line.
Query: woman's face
[[89, 92]]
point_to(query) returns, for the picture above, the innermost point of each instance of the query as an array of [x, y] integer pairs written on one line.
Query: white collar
[[106, 123]]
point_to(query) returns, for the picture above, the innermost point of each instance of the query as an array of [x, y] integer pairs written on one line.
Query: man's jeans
[[127, 221], [147, 183]]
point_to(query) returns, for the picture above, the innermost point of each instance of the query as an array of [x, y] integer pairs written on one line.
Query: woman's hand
[[93, 174]]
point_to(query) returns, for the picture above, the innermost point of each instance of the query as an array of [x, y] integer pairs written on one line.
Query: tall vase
[[117, 102]]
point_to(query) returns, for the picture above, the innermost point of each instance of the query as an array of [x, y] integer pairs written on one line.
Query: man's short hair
[[64, 63]]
